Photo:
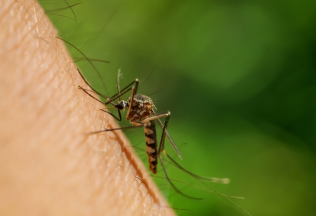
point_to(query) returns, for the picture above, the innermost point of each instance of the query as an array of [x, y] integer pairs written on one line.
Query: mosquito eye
[[122, 104]]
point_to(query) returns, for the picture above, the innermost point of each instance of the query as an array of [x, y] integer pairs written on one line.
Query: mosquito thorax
[[142, 102], [141, 107]]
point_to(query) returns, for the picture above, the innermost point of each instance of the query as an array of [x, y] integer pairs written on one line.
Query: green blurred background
[[239, 79]]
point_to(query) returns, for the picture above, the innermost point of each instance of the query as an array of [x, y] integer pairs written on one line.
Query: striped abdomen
[[151, 143]]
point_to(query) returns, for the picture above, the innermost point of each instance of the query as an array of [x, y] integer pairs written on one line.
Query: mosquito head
[[122, 105]]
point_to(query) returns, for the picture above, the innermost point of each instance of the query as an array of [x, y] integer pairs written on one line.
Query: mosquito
[[141, 113]]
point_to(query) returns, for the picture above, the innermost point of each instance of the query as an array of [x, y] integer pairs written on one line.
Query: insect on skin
[[141, 113]]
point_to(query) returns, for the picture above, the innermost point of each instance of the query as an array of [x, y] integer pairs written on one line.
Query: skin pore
[[48, 165]]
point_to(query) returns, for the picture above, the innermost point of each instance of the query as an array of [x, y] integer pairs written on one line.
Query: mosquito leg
[[110, 100], [85, 90], [130, 103], [135, 81], [169, 138], [98, 93], [91, 59], [161, 148], [157, 117], [113, 129], [103, 96], [119, 119], [114, 97], [163, 136], [85, 80], [117, 96], [96, 70], [136, 86], [174, 187]]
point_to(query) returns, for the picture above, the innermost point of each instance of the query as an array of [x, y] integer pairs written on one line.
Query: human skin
[[48, 165]]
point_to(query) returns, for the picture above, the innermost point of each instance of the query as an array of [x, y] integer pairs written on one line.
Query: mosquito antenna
[[118, 83]]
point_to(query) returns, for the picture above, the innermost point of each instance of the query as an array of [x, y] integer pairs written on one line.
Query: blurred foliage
[[239, 79]]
